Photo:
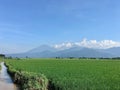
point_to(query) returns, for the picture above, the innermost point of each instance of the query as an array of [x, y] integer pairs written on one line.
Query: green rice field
[[75, 74]]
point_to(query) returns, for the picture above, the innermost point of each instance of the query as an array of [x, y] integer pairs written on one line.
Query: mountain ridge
[[46, 51]]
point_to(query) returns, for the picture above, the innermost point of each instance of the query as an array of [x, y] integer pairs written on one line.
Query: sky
[[26, 24]]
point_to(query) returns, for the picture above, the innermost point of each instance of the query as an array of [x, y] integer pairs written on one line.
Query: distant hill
[[83, 52], [115, 51], [46, 51], [42, 48]]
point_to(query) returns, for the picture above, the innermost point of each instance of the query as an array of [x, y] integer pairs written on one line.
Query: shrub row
[[28, 80]]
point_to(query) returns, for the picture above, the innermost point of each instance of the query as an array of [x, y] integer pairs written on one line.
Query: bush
[[28, 80]]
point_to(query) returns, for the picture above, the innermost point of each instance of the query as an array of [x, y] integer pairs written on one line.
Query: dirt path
[[5, 80]]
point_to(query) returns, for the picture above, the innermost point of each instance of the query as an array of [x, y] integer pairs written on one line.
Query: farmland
[[65, 74]]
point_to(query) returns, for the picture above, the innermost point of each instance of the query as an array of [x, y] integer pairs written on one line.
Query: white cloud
[[104, 44], [63, 45]]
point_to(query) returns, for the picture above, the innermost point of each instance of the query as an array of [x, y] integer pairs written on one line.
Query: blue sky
[[25, 24]]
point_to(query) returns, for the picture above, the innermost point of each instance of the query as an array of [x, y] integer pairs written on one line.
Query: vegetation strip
[[28, 80]]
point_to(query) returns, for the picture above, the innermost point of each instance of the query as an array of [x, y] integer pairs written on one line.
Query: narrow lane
[[5, 79]]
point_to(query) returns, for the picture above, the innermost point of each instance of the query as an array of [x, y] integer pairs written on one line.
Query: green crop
[[74, 74]]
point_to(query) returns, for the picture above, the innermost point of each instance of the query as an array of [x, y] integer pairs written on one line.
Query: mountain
[[46, 51], [83, 52], [41, 51], [115, 51], [42, 48]]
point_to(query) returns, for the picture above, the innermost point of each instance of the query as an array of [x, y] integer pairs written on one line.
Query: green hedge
[[28, 80]]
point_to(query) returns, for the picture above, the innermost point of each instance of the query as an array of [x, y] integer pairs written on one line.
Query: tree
[[2, 56]]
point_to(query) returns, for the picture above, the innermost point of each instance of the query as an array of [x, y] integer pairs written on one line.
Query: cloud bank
[[104, 44]]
